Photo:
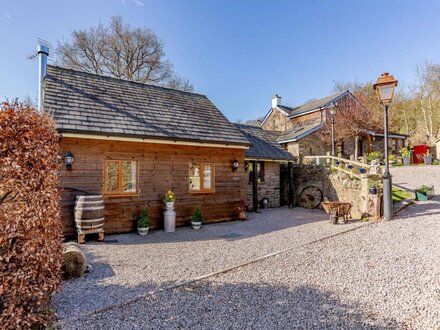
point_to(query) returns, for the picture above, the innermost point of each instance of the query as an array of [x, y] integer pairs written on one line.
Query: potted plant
[[349, 166], [427, 158], [144, 222], [362, 170], [169, 199], [337, 162], [373, 156], [197, 219], [406, 156], [392, 159], [372, 187], [424, 193]]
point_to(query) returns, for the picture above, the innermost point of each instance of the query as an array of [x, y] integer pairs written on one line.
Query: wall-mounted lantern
[[68, 159], [234, 165]]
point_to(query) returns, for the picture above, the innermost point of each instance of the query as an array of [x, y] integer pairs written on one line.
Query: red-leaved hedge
[[30, 225]]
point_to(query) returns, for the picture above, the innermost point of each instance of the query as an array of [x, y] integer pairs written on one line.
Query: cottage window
[[260, 172], [201, 177], [120, 177]]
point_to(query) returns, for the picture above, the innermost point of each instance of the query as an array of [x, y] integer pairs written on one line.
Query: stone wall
[[311, 145], [337, 186], [270, 188], [277, 121]]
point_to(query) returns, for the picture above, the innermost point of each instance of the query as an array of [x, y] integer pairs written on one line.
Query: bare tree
[[120, 51], [352, 120], [427, 93]]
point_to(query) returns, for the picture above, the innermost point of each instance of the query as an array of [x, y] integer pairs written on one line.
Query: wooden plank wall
[[161, 168]]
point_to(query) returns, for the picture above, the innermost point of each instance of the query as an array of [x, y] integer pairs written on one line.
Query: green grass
[[399, 195]]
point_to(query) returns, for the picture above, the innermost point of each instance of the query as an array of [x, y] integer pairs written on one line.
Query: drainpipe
[[43, 53], [290, 191], [254, 186]]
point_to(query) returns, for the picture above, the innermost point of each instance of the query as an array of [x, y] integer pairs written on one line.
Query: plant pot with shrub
[[197, 219], [144, 222], [169, 199], [392, 159], [373, 156], [424, 193], [372, 187], [406, 156]]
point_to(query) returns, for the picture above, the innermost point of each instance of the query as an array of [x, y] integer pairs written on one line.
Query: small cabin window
[[201, 177], [260, 172], [120, 177]]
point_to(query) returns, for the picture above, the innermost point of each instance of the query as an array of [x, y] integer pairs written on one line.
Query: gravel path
[[382, 276], [135, 265], [411, 177]]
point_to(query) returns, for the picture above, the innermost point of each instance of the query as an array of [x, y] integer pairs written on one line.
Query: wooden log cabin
[[133, 142]]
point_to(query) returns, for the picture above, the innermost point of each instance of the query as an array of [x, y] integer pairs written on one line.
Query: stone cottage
[[299, 126]]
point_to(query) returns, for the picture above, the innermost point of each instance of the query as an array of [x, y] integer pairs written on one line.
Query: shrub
[[425, 189], [197, 216], [144, 220], [374, 155], [405, 152], [30, 235], [392, 157]]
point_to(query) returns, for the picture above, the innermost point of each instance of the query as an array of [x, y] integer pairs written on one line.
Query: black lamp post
[[332, 111], [384, 87]]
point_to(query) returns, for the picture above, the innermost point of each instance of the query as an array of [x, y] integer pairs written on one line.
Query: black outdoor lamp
[[68, 159], [332, 111], [384, 87], [234, 165]]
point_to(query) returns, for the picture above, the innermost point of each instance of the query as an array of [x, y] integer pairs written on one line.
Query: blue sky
[[240, 53]]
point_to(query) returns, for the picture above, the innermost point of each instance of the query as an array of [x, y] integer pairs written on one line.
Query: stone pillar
[[372, 202]]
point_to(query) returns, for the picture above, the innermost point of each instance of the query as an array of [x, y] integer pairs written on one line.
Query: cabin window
[[260, 172], [120, 177], [201, 177]]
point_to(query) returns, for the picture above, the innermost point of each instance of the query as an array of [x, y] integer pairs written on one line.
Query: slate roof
[[297, 133], [263, 144], [92, 104], [314, 104], [307, 107]]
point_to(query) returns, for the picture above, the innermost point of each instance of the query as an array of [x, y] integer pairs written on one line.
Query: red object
[[418, 153]]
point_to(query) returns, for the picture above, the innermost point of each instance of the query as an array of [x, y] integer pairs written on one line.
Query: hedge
[[31, 232]]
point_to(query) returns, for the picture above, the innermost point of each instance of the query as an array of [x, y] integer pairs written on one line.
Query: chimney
[[276, 101], [43, 53]]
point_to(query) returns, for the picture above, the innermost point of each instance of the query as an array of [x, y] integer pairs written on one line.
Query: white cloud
[[138, 2]]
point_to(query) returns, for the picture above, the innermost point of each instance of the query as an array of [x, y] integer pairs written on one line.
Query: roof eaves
[[145, 137], [302, 135]]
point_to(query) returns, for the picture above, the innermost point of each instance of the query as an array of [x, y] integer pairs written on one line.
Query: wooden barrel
[[89, 214]]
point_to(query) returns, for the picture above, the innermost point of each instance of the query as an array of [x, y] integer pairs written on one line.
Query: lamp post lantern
[[384, 87]]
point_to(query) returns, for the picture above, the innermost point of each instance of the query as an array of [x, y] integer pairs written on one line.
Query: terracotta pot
[[242, 215]]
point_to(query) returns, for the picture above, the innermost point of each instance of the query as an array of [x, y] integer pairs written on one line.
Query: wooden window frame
[[120, 193], [202, 177]]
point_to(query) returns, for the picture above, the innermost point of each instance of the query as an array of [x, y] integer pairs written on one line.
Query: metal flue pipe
[[43, 53]]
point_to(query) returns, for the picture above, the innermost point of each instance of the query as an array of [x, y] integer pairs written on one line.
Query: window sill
[[121, 194], [202, 192]]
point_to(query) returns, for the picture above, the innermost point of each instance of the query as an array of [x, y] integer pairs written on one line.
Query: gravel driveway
[[377, 276], [411, 177], [129, 265], [381, 276]]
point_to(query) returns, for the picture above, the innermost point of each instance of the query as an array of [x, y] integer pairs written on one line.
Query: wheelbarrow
[[336, 210]]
